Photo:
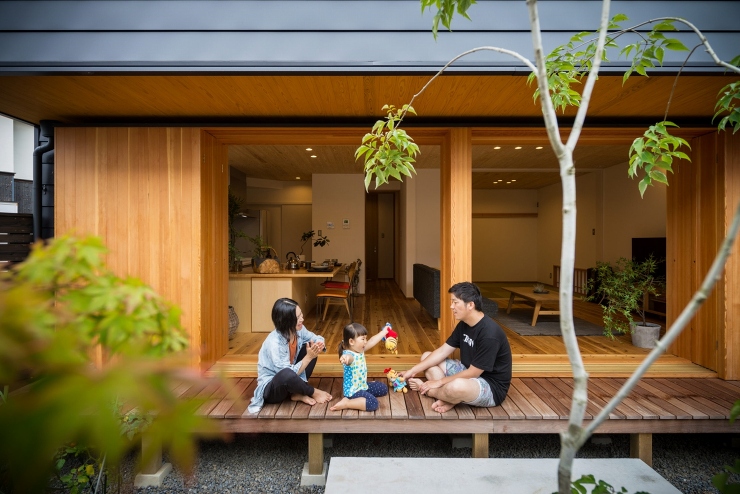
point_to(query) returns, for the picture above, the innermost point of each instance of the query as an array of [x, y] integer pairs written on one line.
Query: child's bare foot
[[305, 399], [440, 406], [321, 396], [415, 383], [340, 405]]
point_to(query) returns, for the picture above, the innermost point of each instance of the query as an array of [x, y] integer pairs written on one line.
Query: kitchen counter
[[288, 273], [253, 294]]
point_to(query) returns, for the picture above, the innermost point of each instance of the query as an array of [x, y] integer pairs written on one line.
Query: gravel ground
[[272, 463]]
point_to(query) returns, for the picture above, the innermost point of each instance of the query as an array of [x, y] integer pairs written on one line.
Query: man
[[483, 374]]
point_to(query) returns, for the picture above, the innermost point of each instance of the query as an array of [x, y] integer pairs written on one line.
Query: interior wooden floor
[[534, 356]]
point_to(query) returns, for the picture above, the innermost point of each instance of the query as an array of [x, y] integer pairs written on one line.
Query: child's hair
[[352, 331]]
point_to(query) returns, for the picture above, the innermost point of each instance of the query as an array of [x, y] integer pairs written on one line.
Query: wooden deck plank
[[602, 396], [337, 392], [285, 410], [529, 411], [545, 411], [384, 407], [398, 405], [651, 387], [426, 405], [556, 399], [302, 410], [728, 392], [207, 407], [702, 389], [685, 397], [512, 410], [232, 396], [594, 405], [240, 408], [413, 405], [696, 394], [650, 402], [643, 409], [318, 411], [464, 412]]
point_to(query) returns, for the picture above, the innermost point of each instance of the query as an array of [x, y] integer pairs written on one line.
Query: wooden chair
[[328, 294]]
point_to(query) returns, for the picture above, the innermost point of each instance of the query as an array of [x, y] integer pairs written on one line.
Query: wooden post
[[480, 446], [153, 463], [456, 179], [315, 453], [641, 446]]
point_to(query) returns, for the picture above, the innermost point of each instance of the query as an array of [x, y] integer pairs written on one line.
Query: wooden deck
[[534, 356]]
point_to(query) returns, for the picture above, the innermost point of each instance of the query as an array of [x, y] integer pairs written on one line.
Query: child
[[359, 394]]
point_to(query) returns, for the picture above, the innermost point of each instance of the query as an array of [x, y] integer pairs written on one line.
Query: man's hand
[[406, 375], [427, 385]]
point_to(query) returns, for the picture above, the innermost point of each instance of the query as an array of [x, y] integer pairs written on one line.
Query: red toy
[[391, 339]]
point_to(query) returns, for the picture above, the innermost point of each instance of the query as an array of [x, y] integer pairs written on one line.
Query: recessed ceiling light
[[518, 147], [508, 182], [298, 178], [494, 183], [538, 147], [497, 147], [309, 149], [313, 155], [513, 180], [499, 180]]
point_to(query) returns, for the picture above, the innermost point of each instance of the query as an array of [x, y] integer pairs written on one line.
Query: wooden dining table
[[536, 299]]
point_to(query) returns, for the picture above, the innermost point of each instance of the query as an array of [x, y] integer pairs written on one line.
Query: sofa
[[426, 288]]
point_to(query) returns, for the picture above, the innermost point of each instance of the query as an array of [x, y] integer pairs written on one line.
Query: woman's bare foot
[[305, 399], [440, 406], [340, 405], [321, 396], [415, 383]]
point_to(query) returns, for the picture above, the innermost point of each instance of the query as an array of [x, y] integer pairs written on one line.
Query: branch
[[701, 295], [593, 74], [514, 54]]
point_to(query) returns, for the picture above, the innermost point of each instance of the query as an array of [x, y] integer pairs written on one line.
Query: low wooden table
[[537, 299]]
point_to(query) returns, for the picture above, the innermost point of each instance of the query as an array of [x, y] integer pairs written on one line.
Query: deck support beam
[[315, 471], [641, 446], [480, 446], [153, 471]]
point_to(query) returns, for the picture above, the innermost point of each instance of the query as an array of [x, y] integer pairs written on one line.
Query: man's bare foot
[[415, 383], [340, 405], [305, 399], [321, 396], [440, 406]]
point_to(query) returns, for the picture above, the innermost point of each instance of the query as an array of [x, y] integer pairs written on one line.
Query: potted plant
[[261, 250], [621, 290], [236, 204]]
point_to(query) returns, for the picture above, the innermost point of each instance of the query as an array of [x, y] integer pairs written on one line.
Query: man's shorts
[[485, 396]]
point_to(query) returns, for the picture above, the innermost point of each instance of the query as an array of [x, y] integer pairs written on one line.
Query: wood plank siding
[[159, 206], [701, 202]]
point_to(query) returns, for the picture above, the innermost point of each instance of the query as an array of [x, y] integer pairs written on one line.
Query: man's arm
[[435, 358]]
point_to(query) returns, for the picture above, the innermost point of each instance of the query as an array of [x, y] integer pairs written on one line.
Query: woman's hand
[[313, 349]]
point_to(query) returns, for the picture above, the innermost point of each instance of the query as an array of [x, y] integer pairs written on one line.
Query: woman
[[286, 360]]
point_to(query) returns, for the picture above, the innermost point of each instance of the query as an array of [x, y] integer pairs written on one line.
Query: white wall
[[23, 150], [627, 215], [420, 226], [588, 220], [6, 145], [335, 198], [504, 249], [386, 237]]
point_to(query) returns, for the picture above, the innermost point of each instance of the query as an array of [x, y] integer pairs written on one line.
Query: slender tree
[[388, 152]]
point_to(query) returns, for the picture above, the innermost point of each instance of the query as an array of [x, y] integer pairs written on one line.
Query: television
[[643, 247]]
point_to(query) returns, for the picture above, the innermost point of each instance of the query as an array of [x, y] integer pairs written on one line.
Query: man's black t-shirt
[[486, 347]]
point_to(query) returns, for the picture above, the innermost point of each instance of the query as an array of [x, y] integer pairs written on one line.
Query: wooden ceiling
[[281, 101]]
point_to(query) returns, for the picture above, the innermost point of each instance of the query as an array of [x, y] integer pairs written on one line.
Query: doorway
[[380, 236]]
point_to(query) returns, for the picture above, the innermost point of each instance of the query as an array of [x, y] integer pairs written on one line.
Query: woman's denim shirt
[[274, 356]]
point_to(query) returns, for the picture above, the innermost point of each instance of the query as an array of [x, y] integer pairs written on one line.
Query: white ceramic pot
[[645, 336]]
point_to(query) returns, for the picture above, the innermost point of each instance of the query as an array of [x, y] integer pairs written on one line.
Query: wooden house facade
[[148, 99]]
